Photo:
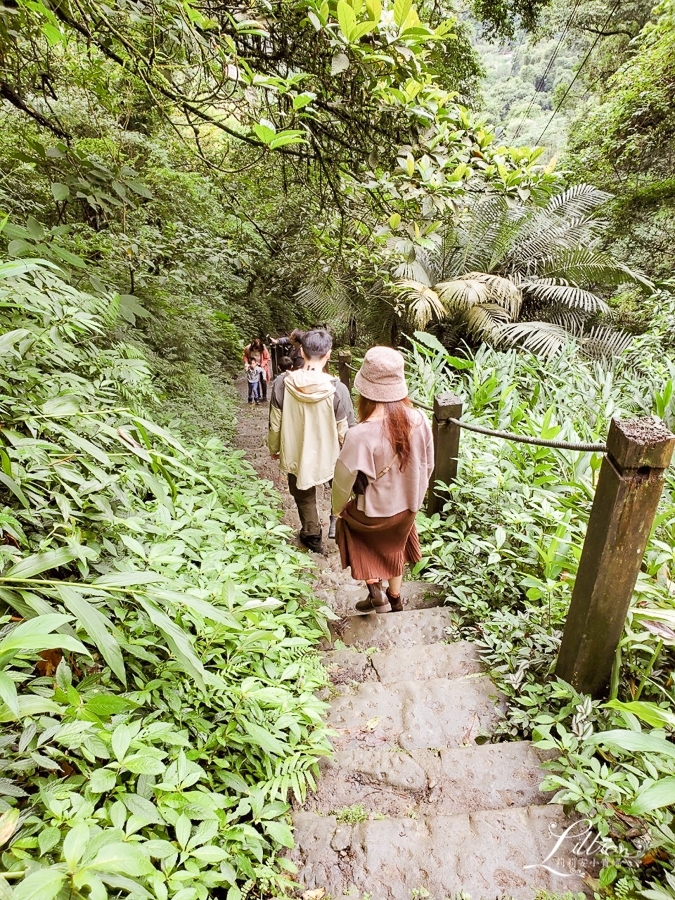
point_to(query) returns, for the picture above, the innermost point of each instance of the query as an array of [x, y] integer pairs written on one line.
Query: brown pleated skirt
[[377, 547]]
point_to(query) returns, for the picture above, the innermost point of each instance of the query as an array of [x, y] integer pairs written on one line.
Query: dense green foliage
[[150, 754], [507, 549]]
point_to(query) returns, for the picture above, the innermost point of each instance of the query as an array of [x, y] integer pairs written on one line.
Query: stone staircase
[[416, 803], [413, 805]]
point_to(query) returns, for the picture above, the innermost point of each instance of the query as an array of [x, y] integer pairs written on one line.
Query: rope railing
[[580, 447], [526, 439], [520, 438]]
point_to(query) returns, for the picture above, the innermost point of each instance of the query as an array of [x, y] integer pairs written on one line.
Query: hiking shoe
[[313, 542], [376, 602], [332, 527], [396, 603]]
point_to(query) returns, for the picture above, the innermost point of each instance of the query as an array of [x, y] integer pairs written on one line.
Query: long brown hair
[[397, 422]]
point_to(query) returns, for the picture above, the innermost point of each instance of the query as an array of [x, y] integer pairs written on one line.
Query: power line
[[548, 67], [578, 72]]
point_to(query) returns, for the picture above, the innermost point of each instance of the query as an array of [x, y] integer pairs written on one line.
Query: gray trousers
[[306, 503]]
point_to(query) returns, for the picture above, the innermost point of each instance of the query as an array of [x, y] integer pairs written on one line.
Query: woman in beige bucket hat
[[386, 461]]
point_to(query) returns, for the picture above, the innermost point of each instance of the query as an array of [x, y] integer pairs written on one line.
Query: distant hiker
[[310, 412], [254, 373], [257, 352], [285, 365], [386, 461], [295, 351]]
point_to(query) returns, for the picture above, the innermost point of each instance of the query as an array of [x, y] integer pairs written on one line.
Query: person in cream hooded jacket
[[310, 412]]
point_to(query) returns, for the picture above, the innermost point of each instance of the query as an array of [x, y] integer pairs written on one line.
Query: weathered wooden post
[[274, 353], [344, 372], [446, 446], [630, 484]]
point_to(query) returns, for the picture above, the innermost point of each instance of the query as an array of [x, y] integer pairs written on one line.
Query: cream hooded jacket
[[310, 413]]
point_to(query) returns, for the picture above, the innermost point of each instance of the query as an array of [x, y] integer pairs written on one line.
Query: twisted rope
[[521, 438], [516, 438]]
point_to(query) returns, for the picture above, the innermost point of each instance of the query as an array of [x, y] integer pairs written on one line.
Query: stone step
[[432, 714], [415, 595], [445, 782], [417, 663], [402, 629], [484, 854]]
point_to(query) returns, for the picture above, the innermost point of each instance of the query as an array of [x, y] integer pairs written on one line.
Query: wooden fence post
[[446, 446], [274, 353], [344, 372], [629, 487]]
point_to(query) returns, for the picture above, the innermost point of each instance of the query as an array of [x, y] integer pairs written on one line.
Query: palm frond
[[542, 338], [328, 298], [559, 291], [480, 288], [485, 320], [586, 265], [605, 342], [580, 199], [423, 302]]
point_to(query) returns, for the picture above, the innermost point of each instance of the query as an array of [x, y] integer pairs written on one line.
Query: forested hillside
[[490, 188]]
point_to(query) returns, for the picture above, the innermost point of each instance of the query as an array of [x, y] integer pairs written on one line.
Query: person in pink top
[[386, 461], [256, 353]]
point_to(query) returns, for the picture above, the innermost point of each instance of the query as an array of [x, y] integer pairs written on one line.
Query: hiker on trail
[[257, 353], [310, 412], [253, 375], [292, 346], [386, 461], [285, 364]]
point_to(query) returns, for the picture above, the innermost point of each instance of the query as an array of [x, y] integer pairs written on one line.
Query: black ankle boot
[[376, 602], [395, 601]]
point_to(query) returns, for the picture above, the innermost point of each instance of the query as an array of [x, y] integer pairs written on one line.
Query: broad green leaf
[[121, 739], [280, 832], [267, 741], [102, 780], [120, 858], [183, 831], [361, 29], [74, 845], [144, 764], [41, 562], [649, 712], [656, 796], [44, 884], [8, 822], [177, 639], [97, 626], [346, 18], [11, 485], [633, 742], [401, 10], [159, 849], [10, 338], [60, 191], [374, 8], [143, 809], [265, 133], [8, 693]]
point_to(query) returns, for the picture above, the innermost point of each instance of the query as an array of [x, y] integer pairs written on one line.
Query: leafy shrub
[[150, 748]]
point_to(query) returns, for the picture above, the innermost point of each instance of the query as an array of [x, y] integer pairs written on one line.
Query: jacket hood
[[309, 386]]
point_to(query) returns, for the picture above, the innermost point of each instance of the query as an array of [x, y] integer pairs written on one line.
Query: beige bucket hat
[[382, 376]]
